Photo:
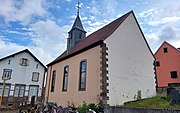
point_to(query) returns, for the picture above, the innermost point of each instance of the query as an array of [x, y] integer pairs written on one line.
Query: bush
[[85, 107]]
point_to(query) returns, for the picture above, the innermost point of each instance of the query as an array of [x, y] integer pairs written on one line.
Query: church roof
[[93, 39], [77, 24]]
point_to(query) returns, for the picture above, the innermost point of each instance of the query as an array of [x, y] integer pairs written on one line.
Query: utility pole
[[3, 88]]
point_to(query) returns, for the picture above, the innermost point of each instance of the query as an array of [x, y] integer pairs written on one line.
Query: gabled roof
[[26, 50], [93, 39], [177, 49], [77, 24]]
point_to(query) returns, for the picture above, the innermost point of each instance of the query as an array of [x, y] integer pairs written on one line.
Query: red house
[[167, 65]]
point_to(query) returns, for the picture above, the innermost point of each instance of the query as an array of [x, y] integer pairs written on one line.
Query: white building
[[26, 77]]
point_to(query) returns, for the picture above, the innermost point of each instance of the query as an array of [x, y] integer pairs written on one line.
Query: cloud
[[147, 13], [167, 33], [8, 48], [111, 7], [94, 8], [22, 10], [164, 20], [50, 38]]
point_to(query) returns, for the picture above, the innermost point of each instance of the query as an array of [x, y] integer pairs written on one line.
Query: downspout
[[43, 87]]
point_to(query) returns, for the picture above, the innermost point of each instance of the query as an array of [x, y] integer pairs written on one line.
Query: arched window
[[53, 81], [82, 78], [65, 79]]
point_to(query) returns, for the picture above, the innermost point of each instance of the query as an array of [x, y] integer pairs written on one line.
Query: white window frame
[[7, 73], [34, 78]]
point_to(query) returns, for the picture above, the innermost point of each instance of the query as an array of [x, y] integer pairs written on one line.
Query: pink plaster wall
[[168, 62]]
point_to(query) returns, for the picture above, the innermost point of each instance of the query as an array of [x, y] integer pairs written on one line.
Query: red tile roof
[[93, 38]]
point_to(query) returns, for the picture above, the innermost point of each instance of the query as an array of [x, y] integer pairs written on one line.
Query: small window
[[19, 90], [82, 79], [24, 62], [165, 50], [7, 73], [9, 62], [157, 63], [173, 74], [80, 35], [37, 66], [35, 76], [53, 81], [65, 80]]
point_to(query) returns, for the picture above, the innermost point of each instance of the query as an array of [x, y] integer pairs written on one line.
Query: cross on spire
[[78, 6]]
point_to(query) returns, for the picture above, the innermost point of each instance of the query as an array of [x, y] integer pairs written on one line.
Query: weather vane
[[78, 7]]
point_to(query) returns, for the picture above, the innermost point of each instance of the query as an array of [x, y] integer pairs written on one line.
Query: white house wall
[[22, 74], [130, 64]]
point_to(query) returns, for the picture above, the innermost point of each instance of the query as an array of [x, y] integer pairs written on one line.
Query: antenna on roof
[[78, 7]]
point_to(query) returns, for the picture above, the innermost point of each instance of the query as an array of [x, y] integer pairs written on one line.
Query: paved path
[[12, 111]]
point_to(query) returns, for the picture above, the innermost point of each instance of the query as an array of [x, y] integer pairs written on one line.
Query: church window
[[65, 80], [82, 79], [53, 81]]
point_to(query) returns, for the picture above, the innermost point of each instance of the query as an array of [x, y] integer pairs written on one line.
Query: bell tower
[[77, 31]]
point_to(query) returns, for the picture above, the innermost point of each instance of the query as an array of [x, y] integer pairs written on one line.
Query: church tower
[[76, 33]]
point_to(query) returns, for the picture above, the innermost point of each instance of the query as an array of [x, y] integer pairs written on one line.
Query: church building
[[112, 65]]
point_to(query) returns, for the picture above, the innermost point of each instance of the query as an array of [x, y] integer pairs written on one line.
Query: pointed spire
[[77, 32], [77, 24]]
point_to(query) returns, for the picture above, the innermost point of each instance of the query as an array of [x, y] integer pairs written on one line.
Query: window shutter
[[20, 61], [27, 62]]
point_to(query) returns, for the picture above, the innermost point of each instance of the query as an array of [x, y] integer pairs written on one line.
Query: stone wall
[[114, 109]]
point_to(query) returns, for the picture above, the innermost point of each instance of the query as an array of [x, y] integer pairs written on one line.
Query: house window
[[35, 76], [82, 79], [65, 80], [173, 74], [80, 35], [6, 90], [24, 62], [165, 50], [53, 81], [157, 63], [37, 66], [7, 73], [9, 62], [19, 90]]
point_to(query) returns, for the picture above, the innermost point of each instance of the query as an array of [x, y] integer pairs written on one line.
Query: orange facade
[[167, 65], [72, 95]]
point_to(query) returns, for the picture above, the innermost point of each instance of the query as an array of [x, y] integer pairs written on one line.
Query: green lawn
[[153, 102]]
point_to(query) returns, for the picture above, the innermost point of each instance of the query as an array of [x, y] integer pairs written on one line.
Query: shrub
[[85, 107]]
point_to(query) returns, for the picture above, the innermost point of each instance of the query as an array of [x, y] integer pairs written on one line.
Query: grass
[[153, 102]]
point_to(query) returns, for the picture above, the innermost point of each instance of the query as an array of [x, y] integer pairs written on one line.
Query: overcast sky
[[42, 25]]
